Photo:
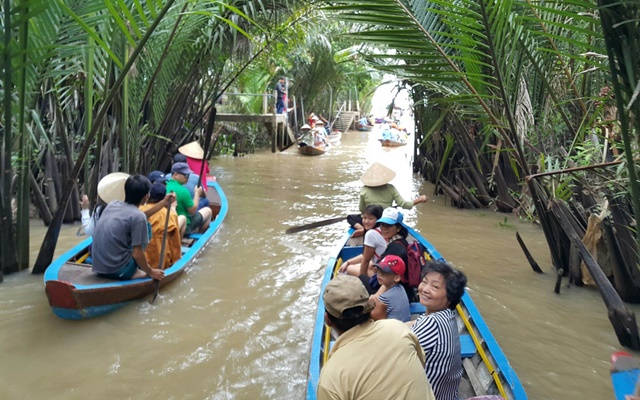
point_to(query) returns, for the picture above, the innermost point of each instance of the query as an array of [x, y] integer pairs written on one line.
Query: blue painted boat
[[625, 372], [487, 371], [74, 292]]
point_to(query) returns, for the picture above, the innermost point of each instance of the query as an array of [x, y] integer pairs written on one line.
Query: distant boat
[[75, 292], [486, 370], [391, 143], [307, 150]]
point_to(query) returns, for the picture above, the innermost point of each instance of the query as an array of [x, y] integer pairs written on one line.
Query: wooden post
[[330, 104], [295, 116], [275, 123], [265, 107]]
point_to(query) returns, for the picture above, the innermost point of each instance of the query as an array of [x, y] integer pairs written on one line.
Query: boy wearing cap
[[190, 218], [122, 234], [157, 177], [393, 370], [391, 302]]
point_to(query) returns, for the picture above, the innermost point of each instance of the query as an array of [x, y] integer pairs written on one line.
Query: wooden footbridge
[[277, 124]]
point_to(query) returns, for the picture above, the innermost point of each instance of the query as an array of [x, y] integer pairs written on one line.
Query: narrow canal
[[238, 324]]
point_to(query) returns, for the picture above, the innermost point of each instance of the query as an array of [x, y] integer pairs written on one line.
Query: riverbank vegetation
[[93, 87], [530, 108]]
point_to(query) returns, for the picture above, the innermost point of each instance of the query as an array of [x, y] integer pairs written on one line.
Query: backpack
[[416, 261]]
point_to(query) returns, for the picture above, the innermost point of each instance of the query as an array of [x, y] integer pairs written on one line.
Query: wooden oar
[[162, 250], [312, 225], [208, 132]]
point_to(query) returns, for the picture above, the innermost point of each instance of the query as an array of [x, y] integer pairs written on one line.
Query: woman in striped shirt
[[440, 292]]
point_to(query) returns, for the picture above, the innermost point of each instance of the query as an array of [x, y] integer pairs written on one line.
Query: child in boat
[[357, 221], [173, 250], [393, 301], [374, 246], [122, 234]]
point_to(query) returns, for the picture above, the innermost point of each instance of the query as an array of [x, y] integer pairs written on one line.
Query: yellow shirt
[[173, 247], [375, 360]]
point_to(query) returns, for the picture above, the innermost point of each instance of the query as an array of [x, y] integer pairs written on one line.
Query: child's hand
[[343, 267], [84, 203]]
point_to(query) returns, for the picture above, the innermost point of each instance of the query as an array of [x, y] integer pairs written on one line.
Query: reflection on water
[[238, 324]]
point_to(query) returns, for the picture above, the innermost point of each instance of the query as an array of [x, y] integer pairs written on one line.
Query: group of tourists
[[380, 352], [135, 213], [315, 131], [393, 132]]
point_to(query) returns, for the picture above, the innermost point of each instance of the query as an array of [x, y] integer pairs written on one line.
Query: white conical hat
[[377, 175], [111, 187], [193, 150]]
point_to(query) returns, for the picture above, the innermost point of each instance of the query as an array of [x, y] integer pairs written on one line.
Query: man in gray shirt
[[121, 235]]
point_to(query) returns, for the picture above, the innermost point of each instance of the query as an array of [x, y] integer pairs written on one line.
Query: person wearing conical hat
[[194, 155], [378, 190], [111, 188]]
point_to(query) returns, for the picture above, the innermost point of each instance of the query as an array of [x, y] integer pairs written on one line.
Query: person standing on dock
[[281, 88]]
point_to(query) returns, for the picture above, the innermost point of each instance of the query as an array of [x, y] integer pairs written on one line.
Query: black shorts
[[196, 222]]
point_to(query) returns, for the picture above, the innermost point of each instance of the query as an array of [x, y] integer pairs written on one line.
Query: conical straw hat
[[377, 175], [111, 187], [193, 150]]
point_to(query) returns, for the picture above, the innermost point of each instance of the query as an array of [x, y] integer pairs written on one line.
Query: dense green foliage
[[91, 87]]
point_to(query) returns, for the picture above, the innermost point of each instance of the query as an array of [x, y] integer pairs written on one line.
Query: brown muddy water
[[238, 324]]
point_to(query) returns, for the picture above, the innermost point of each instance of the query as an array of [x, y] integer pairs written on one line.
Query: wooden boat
[[391, 143], [74, 292], [364, 128], [307, 150], [486, 369], [625, 370]]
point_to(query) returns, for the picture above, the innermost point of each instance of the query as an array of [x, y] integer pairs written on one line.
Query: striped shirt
[[439, 338]]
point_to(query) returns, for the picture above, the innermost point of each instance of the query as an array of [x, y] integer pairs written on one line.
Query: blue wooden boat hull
[[479, 345], [74, 293], [625, 372]]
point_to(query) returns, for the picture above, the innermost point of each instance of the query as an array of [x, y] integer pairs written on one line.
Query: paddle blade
[[155, 293], [312, 225]]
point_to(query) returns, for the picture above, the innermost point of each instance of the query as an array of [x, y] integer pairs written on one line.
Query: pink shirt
[[195, 165]]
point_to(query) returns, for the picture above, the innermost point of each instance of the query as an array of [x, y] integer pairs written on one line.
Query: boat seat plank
[[467, 347], [80, 274], [184, 249], [417, 308]]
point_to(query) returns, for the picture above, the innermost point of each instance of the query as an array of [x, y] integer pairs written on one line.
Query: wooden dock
[[276, 124]]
